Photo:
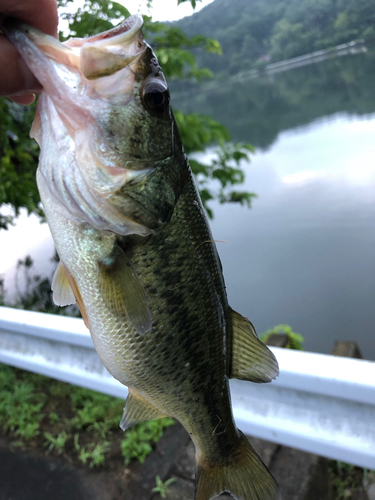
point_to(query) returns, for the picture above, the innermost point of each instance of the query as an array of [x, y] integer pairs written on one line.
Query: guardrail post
[[346, 349], [301, 475]]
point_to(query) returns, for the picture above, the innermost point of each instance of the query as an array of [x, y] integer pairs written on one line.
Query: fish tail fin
[[243, 475]]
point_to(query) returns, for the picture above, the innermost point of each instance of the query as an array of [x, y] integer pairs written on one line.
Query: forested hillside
[[254, 31], [257, 110]]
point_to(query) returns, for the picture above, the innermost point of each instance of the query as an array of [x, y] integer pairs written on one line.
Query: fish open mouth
[[95, 57]]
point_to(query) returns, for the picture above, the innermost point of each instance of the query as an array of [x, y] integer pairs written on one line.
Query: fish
[[136, 250]]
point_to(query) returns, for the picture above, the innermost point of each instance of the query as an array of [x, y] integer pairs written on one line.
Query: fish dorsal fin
[[251, 359], [62, 291], [136, 410], [123, 292]]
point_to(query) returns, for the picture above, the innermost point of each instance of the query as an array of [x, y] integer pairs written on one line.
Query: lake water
[[305, 253]]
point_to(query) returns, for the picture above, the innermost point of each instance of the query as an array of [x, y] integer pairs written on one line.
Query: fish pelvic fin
[[137, 410], [63, 294], [243, 475], [251, 359], [66, 292]]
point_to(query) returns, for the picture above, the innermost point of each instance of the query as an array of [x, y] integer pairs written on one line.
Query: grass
[[162, 487], [57, 442], [62, 419], [38, 412], [20, 406], [138, 439], [295, 340], [347, 480], [93, 454]]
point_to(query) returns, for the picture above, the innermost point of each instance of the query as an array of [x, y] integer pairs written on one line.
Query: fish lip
[[94, 57], [125, 31]]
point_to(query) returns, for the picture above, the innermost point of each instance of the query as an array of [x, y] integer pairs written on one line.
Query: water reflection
[[258, 110], [305, 253]]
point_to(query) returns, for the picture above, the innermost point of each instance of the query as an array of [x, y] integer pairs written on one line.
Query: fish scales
[[136, 250], [192, 313]]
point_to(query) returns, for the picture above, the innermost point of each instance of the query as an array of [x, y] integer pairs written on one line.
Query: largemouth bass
[[136, 250]]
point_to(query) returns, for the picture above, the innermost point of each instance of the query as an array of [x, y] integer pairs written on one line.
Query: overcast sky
[[163, 10]]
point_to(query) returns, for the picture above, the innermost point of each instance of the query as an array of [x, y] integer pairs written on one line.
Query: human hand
[[16, 80]]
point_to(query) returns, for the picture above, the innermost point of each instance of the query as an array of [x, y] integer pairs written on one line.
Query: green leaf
[[295, 340], [193, 2]]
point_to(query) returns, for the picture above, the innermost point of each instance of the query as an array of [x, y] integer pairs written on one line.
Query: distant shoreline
[[350, 48]]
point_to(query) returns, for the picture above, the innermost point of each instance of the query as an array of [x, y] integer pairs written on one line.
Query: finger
[[42, 14], [16, 77], [23, 99]]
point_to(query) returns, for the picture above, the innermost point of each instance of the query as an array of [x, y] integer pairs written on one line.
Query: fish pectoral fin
[[62, 291], [136, 410], [123, 292], [251, 359]]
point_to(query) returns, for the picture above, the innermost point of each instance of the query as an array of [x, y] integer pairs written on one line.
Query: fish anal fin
[[243, 475], [62, 291], [136, 410], [123, 292], [78, 297], [251, 359]]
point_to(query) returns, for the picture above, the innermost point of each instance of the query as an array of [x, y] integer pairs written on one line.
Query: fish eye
[[155, 97]]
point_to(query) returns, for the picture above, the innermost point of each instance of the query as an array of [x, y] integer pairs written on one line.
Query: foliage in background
[[18, 161], [295, 340], [254, 32], [348, 481], [19, 154], [224, 165], [35, 410]]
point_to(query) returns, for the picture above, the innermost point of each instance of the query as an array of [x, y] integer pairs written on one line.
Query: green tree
[[252, 30], [287, 39], [18, 153], [18, 162]]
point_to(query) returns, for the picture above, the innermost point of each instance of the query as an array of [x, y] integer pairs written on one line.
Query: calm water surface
[[305, 253]]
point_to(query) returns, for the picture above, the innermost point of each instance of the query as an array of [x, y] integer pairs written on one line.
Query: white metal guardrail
[[320, 404]]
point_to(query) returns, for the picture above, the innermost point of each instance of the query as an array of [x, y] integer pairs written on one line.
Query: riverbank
[[26, 475], [64, 441]]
